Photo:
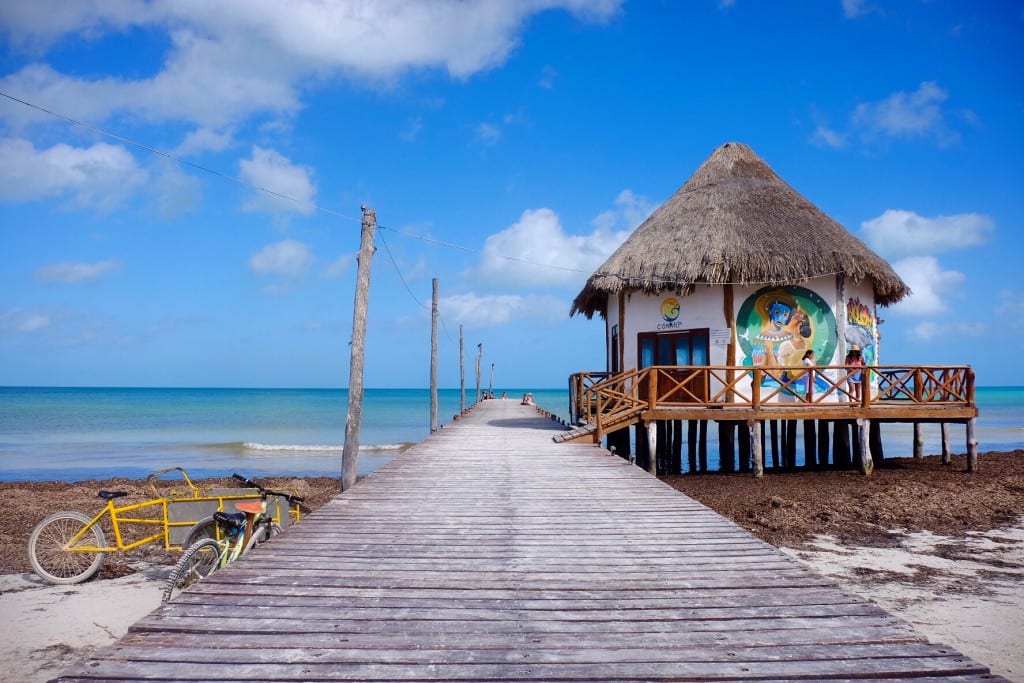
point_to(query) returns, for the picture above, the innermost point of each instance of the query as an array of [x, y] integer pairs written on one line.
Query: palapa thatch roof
[[735, 221]]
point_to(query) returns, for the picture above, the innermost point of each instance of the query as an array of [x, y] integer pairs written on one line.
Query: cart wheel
[[204, 528], [198, 562], [54, 560]]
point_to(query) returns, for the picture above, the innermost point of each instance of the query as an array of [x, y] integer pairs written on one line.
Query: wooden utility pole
[[350, 451], [479, 357], [490, 388], [462, 372], [433, 358]]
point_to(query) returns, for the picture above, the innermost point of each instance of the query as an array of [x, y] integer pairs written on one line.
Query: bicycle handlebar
[[249, 483]]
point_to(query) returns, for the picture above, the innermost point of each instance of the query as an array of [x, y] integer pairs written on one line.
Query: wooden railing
[[609, 401]]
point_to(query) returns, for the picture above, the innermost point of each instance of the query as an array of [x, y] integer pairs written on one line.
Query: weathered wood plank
[[488, 552]]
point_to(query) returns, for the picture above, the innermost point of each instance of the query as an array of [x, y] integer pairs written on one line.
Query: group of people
[[527, 397], [853, 382]]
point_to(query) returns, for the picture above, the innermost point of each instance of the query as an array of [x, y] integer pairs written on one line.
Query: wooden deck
[[490, 553]]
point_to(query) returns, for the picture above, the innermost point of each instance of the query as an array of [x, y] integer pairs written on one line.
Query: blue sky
[[507, 148]]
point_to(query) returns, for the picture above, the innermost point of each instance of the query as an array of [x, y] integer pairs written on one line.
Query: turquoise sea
[[78, 433], [71, 434]]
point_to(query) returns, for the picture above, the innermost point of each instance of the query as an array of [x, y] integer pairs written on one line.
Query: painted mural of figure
[[785, 332]]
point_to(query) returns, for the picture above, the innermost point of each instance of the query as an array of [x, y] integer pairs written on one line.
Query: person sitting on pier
[[853, 383], [527, 399]]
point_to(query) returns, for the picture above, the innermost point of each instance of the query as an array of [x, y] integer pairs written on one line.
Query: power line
[[273, 193], [172, 157]]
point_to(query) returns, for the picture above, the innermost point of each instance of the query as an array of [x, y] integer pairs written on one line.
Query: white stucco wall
[[842, 313]]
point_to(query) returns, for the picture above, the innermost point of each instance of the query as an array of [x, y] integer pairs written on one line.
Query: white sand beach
[[966, 592]]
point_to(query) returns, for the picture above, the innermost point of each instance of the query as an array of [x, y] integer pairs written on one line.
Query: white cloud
[[933, 288], [854, 8], [477, 312], [269, 170], [898, 233], [174, 192], [203, 140], [929, 330], [823, 136], [255, 55], [412, 129], [487, 134], [70, 272], [548, 75], [287, 259], [100, 177], [21, 321], [903, 115], [536, 251]]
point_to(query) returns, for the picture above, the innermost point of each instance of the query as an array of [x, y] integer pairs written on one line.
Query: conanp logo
[[670, 309]]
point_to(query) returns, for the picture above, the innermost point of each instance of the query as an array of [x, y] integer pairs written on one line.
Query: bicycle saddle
[[111, 495]]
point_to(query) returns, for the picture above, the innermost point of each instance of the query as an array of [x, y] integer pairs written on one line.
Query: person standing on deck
[[853, 384], [808, 363]]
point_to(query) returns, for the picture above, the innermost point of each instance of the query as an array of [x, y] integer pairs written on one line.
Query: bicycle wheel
[[54, 560], [198, 562], [263, 533], [204, 528]]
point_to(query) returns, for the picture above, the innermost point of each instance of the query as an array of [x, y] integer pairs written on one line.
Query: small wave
[[320, 448]]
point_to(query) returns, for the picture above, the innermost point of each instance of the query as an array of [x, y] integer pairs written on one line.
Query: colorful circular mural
[[776, 325]]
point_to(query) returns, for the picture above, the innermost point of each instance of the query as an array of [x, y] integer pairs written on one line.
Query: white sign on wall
[[721, 337]]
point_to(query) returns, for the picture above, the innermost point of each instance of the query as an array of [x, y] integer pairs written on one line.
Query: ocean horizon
[[79, 433]]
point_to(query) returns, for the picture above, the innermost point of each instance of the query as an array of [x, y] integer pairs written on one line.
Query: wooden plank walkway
[[490, 553]]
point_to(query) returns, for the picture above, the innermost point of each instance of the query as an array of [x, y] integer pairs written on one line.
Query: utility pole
[[433, 358], [350, 452], [490, 389], [479, 355], [462, 372]]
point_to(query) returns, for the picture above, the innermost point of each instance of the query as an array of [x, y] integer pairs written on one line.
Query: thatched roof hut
[[735, 222]]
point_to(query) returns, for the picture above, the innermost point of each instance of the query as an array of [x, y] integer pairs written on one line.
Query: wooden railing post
[[597, 417], [652, 388], [865, 386], [754, 430], [755, 389]]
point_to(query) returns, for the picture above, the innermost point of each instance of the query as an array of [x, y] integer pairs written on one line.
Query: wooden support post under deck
[[972, 445], [918, 441], [946, 452], [754, 427], [652, 447], [867, 465]]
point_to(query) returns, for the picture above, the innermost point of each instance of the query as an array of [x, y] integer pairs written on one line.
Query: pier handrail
[[616, 399]]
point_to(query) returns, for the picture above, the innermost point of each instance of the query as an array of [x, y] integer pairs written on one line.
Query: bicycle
[[68, 547], [237, 534]]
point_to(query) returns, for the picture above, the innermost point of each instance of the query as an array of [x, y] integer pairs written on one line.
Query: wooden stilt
[[810, 445], [875, 441], [677, 447], [972, 445], [743, 451], [823, 444], [642, 453], [867, 465], [946, 452], [702, 448], [790, 449], [691, 445], [652, 448], [841, 443], [726, 446], [918, 441], [756, 447], [773, 428]]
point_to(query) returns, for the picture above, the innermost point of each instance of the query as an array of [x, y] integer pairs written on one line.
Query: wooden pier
[[490, 553]]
